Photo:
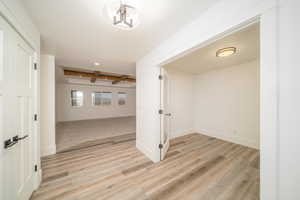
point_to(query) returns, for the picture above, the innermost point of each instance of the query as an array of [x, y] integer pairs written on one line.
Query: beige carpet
[[69, 134]]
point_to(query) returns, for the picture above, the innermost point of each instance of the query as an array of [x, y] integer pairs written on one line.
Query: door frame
[[202, 45], [31, 38], [269, 95]]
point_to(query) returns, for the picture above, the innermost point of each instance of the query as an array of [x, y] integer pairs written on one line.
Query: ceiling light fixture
[[96, 63], [123, 15], [228, 51]]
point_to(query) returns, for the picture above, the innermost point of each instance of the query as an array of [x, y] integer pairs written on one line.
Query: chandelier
[[123, 15]]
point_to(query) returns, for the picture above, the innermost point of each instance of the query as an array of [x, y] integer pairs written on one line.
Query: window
[[101, 98], [122, 98], [76, 98]]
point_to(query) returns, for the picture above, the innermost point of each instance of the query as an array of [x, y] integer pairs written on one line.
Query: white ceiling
[[78, 34], [204, 59]]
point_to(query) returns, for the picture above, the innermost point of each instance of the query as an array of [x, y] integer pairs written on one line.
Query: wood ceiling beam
[[122, 78], [93, 79], [98, 76]]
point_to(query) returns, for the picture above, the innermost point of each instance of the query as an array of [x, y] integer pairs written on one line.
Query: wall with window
[[82, 102]]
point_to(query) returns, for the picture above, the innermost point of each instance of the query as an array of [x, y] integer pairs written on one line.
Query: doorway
[[93, 106], [214, 94]]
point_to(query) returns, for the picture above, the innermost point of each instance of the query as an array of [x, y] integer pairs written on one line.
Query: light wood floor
[[197, 167], [73, 133]]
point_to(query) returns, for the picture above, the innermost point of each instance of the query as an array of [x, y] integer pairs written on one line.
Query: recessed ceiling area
[[78, 35], [246, 42]]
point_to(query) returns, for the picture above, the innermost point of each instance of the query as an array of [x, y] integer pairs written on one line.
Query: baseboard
[[229, 138], [38, 179], [94, 118], [51, 150], [150, 154], [40, 173], [181, 133]]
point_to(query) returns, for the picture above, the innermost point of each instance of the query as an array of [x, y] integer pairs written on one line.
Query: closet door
[[18, 114]]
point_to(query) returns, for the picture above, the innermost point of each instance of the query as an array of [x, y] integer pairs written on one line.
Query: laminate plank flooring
[[72, 133], [196, 167]]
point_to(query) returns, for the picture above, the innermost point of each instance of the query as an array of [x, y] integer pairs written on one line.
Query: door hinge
[[160, 111], [35, 117], [160, 77], [160, 146], [35, 168], [35, 66]]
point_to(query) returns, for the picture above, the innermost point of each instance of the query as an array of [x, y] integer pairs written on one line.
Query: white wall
[[65, 111], [47, 118], [14, 10], [222, 103], [181, 102], [206, 28], [212, 23], [227, 104], [289, 106], [2, 150]]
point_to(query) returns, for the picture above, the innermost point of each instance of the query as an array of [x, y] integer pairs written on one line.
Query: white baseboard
[[51, 150], [181, 133], [150, 154], [38, 179], [230, 138], [40, 175]]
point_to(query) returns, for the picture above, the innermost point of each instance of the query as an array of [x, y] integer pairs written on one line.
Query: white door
[[18, 114], [165, 114]]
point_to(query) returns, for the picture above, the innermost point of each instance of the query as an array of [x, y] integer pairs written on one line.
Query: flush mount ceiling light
[[96, 63], [122, 14], [228, 51]]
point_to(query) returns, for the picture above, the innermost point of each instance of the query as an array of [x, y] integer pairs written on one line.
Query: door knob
[[9, 143], [17, 138]]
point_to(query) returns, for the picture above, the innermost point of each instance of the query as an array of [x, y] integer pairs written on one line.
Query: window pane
[[76, 98], [122, 98], [102, 98]]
